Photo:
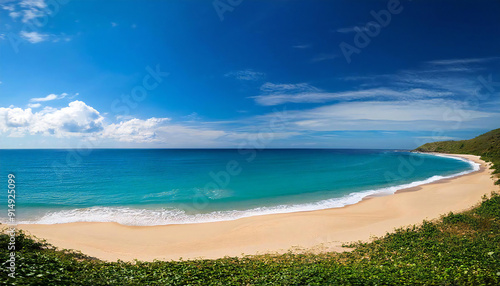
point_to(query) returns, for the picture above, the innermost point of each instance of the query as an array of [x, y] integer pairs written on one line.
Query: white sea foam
[[148, 217]]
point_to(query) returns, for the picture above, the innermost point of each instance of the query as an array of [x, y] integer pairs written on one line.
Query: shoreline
[[318, 230], [72, 215], [482, 164]]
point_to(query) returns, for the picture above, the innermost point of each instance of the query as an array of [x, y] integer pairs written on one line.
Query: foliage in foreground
[[487, 146], [459, 249]]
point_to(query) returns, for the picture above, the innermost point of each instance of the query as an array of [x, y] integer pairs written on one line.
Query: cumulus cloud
[[17, 117], [76, 119], [80, 120]]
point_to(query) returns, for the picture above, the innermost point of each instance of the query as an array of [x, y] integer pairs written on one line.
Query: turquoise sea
[[175, 186]]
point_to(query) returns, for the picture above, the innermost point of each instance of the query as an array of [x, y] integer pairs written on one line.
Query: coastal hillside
[[486, 145]]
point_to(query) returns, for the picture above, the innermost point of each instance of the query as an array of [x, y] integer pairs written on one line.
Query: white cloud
[[75, 119], [324, 57], [180, 135], [14, 15], [9, 8], [434, 110], [387, 115], [40, 4], [113, 24], [78, 121], [193, 116], [436, 79], [305, 46], [276, 94], [437, 138], [245, 75], [49, 97], [32, 9], [17, 117], [161, 131], [135, 130], [462, 61], [33, 37], [36, 37], [31, 12], [353, 29], [269, 87], [34, 105], [443, 79]]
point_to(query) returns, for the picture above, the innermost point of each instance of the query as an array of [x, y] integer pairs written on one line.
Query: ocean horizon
[[178, 186]]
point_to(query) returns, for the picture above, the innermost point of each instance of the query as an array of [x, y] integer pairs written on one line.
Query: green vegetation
[[487, 146], [459, 249]]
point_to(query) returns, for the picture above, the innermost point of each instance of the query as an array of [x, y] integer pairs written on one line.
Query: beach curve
[[324, 229]]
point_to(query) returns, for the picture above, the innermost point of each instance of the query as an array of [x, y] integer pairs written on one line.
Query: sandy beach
[[323, 230]]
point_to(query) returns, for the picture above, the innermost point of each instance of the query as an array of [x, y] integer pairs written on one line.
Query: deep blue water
[[147, 187]]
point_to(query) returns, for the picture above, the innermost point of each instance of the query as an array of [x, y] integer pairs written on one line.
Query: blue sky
[[255, 74]]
